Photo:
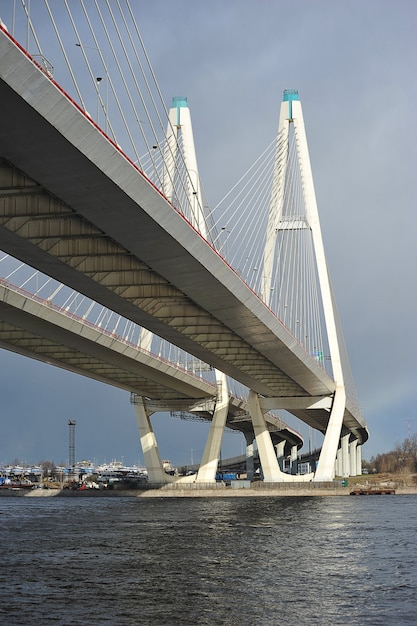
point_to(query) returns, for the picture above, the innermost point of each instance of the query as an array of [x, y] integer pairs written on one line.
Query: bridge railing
[[63, 311]]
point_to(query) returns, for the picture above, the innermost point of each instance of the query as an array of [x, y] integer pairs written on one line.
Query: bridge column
[[211, 454], [326, 465], [352, 457], [294, 460], [345, 456], [358, 460], [249, 457], [338, 464], [280, 454], [267, 456], [153, 463]]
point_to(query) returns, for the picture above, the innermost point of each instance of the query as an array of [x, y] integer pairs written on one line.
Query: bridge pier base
[[358, 460], [153, 463], [249, 457], [338, 463], [267, 456], [345, 456], [211, 454], [352, 457], [294, 460], [280, 454], [326, 465]]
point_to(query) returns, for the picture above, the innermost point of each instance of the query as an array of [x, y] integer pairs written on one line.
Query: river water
[[211, 561]]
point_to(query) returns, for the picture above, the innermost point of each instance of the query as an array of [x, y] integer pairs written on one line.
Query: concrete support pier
[[352, 457], [269, 463], [358, 460], [345, 456], [249, 457], [153, 462], [211, 454], [294, 460], [280, 454]]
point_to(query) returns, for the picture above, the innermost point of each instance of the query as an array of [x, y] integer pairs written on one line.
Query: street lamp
[[99, 79]]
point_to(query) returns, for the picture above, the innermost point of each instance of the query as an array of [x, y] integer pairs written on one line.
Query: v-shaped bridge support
[[268, 457]]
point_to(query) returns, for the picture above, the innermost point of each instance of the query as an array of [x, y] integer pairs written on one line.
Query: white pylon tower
[[181, 178], [180, 131], [291, 114], [180, 174]]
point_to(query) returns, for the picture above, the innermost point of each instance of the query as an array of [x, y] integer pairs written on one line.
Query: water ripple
[[221, 561]]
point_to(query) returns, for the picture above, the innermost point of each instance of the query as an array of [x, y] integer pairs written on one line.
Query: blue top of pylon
[[290, 94], [179, 101]]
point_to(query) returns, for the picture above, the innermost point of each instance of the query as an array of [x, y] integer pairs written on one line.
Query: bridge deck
[[36, 329]]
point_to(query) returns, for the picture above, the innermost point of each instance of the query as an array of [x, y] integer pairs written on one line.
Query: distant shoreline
[[226, 492]]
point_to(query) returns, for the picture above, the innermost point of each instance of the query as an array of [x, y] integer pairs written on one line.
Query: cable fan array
[[287, 282], [95, 51]]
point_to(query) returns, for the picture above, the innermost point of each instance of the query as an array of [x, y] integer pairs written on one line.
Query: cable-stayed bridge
[[77, 208]]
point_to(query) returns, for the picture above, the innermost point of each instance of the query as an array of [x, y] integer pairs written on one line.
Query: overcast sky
[[354, 63]]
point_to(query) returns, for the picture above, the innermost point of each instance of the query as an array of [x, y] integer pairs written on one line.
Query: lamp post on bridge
[[99, 79]]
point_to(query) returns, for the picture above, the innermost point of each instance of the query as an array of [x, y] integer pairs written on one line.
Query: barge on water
[[373, 491]]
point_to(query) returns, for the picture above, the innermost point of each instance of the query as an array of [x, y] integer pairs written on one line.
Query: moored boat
[[8, 483]]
